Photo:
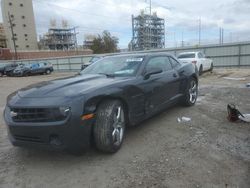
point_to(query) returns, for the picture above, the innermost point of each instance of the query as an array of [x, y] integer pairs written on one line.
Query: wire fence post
[[69, 64], [57, 65]]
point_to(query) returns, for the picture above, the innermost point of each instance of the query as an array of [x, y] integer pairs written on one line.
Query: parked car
[[21, 70], [2, 67], [41, 68], [33, 69], [198, 59], [99, 104], [8, 69], [92, 60]]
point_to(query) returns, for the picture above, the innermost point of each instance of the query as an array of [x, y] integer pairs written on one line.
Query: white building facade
[[23, 22]]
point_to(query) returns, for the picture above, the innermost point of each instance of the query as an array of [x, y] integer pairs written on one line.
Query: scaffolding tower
[[60, 39], [148, 32]]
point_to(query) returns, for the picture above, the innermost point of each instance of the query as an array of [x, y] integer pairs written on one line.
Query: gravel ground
[[206, 152]]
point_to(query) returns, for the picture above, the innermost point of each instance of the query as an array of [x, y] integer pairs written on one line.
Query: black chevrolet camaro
[[97, 105]]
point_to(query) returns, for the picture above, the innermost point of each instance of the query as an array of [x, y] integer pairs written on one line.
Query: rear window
[[184, 56]]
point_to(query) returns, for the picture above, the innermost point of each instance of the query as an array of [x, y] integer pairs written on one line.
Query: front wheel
[[110, 126], [191, 93]]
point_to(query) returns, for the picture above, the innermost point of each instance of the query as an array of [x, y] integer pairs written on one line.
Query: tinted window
[[159, 62], [184, 56], [174, 62], [200, 55]]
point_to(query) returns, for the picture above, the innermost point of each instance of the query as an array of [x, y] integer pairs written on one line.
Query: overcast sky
[[181, 18]]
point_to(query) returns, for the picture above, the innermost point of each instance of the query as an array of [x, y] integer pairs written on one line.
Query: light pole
[[199, 31], [12, 34]]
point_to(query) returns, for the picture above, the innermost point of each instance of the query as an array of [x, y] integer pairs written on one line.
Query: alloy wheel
[[193, 92], [118, 125]]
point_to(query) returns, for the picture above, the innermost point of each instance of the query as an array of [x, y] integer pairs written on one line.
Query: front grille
[[36, 115], [28, 138]]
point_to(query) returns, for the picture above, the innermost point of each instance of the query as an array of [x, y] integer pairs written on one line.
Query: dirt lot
[[206, 152]]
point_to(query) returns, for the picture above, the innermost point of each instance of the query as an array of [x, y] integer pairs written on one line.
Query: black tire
[[47, 71], [211, 67], [109, 128], [25, 74], [191, 93], [200, 70]]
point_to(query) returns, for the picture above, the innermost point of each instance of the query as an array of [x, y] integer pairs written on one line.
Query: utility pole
[[182, 41], [150, 7], [221, 35], [133, 33], [150, 24], [12, 34], [199, 31]]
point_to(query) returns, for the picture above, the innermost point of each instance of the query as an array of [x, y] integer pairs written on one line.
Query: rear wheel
[[26, 74], [191, 93], [110, 126], [200, 70], [48, 71]]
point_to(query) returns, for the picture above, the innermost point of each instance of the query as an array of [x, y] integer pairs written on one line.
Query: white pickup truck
[[198, 59]]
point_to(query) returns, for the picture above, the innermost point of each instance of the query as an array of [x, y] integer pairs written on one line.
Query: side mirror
[[151, 72]]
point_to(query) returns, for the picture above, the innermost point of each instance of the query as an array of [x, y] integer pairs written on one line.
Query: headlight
[[64, 111]]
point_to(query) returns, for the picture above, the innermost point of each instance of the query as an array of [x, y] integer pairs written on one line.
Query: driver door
[[158, 87]]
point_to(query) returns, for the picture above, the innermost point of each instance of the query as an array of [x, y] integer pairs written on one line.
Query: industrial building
[[59, 39], [148, 32], [88, 41], [20, 14]]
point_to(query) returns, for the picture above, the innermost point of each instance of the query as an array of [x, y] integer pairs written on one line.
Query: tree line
[[105, 43]]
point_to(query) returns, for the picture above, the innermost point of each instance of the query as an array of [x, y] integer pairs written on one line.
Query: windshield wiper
[[108, 75]]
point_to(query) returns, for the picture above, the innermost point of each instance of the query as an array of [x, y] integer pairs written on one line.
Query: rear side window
[[184, 56], [159, 62]]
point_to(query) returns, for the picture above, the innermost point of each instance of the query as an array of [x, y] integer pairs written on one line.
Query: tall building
[[148, 32], [21, 14]]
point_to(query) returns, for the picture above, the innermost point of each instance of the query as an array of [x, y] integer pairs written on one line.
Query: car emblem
[[13, 114]]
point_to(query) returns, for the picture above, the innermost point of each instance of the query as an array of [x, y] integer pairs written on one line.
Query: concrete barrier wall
[[227, 55]]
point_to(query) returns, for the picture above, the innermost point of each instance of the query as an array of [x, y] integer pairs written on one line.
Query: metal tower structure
[[148, 32], [59, 39]]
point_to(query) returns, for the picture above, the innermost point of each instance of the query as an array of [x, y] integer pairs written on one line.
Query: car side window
[[174, 62], [200, 55], [159, 62]]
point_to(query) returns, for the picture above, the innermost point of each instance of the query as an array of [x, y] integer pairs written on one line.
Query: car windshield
[[115, 66], [94, 59], [184, 56]]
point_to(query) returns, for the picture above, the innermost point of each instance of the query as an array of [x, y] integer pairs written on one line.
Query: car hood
[[68, 87]]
